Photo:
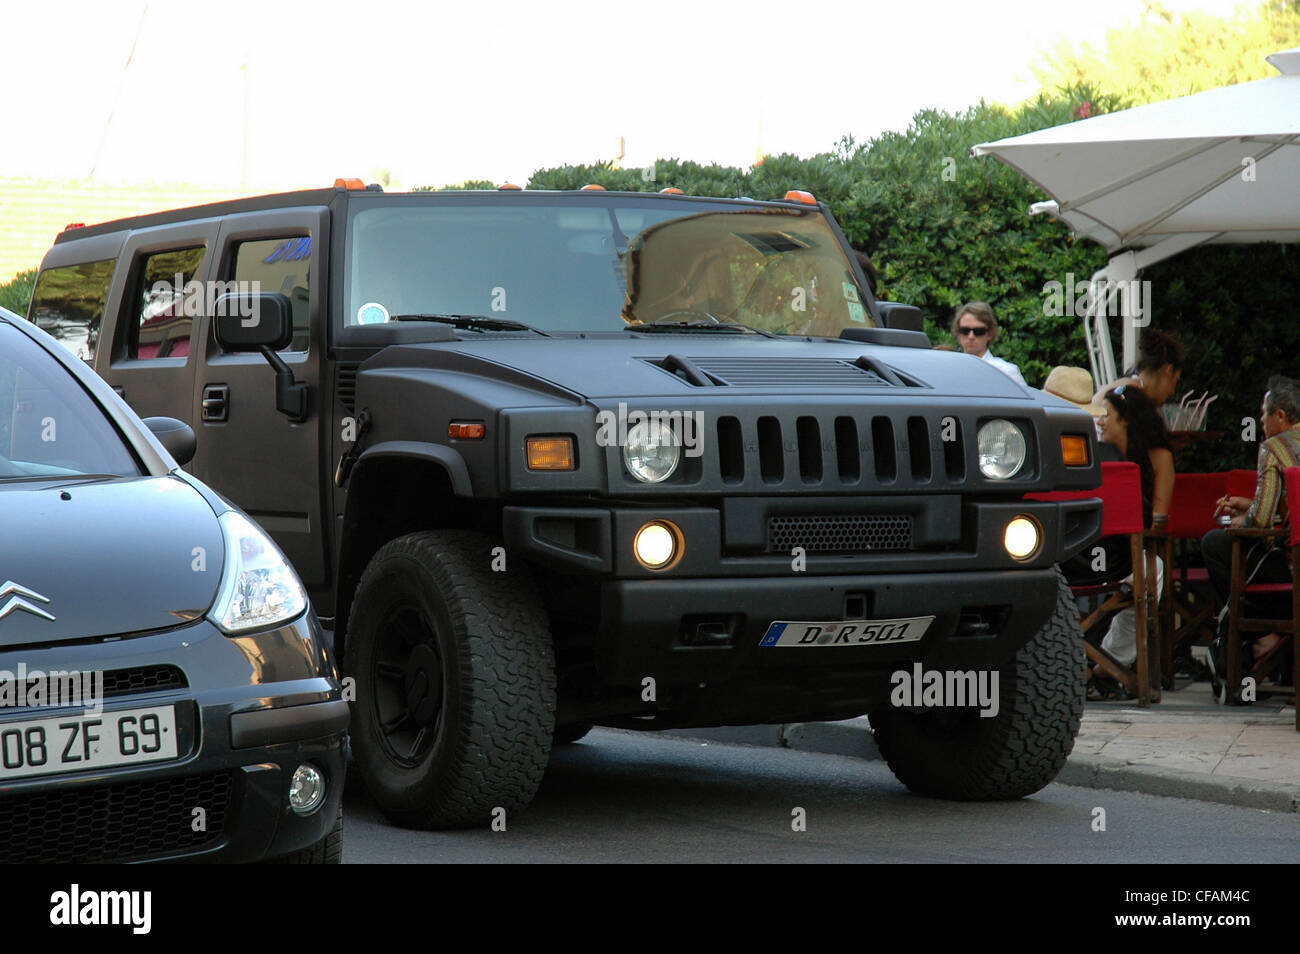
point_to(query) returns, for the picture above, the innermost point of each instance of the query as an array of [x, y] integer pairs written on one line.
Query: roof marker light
[[350, 184], [592, 187], [509, 187], [798, 195], [671, 190]]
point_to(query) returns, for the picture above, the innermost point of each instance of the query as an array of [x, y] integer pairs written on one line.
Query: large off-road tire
[[455, 681], [957, 754]]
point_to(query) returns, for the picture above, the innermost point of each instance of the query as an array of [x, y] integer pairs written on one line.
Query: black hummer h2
[[556, 459]]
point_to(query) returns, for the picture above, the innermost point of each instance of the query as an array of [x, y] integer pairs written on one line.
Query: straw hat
[[1073, 385]]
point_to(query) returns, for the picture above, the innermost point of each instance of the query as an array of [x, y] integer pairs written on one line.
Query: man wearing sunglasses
[[976, 328]]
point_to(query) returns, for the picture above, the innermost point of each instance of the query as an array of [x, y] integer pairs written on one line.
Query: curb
[[1091, 771], [853, 738]]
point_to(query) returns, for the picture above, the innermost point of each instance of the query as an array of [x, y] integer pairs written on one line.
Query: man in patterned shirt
[[1280, 416]]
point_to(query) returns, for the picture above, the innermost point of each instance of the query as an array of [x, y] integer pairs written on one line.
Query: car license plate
[[857, 632], [73, 742]]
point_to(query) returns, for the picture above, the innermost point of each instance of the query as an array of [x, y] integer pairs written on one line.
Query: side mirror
[[900, 316], [263, 322], [250, 322], [176, 436]]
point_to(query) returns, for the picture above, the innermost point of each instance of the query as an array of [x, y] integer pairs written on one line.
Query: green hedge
[[16, 294], [944, 228]]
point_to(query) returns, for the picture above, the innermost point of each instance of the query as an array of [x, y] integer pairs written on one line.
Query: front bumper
[[249, 710]]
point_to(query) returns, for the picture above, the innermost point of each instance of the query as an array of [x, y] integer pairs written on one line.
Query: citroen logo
[[18, 599]]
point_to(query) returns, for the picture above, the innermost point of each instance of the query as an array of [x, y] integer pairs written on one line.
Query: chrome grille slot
[[882, 447], [810, 450], [918, 448], [771, 453], [731, 451]]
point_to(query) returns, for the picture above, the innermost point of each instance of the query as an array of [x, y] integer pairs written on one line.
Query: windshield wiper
[[474, 322], [699, 325], [56, 478]]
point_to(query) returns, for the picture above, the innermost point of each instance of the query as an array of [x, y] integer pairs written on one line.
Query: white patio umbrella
[[1152, 181]]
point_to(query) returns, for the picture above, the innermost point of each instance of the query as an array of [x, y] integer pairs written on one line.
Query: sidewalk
[[1184, 746]]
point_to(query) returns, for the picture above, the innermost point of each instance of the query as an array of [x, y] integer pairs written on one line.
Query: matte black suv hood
[[118, 557], [638, 367]]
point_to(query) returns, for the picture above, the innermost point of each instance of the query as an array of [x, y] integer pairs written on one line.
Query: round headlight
[[652, 452], [1002, 449]]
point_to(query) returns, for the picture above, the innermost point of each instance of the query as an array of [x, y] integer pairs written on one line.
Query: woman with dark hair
[[1136, 429], [1159, 366]]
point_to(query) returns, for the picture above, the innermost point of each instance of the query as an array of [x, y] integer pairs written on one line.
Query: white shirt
[[1006, 367]]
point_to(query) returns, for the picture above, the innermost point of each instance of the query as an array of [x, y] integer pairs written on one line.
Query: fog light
[[306, 789], [657, 545], [1021, 538]]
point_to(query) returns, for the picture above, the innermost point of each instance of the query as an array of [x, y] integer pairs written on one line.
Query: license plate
[[73, 742], [858, 632]]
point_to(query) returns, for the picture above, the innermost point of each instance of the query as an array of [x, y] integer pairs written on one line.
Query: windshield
[[49, 426], [578, 263]]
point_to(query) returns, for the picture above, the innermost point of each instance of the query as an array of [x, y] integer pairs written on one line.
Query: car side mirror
[[176, 436], [900, 316], [262, 322], [248, 322]]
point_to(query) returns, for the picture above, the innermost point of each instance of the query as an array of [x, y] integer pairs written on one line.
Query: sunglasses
[[968, 330]]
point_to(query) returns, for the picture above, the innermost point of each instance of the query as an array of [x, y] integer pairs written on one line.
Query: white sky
[[282, 95]]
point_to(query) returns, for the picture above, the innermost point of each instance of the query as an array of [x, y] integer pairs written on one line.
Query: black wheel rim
[[409, 685]]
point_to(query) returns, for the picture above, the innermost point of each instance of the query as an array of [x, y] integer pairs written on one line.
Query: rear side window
[[68, 304], [169, 300], [280, 265]]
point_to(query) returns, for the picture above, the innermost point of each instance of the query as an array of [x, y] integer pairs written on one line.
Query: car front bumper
[[249, 710]]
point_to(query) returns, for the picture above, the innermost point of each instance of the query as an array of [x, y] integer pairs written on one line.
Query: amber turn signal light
[[1074, 450], [467, 430], [550, 453]]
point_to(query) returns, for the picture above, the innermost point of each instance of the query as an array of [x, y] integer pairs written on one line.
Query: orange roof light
[[509, 187], [467, 430], [798, 195], [550, 453], [592, 187], [671, 190], [350, 184]]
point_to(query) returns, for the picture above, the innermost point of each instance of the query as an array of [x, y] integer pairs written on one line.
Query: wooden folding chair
[[1121, 497], [1240, 589], [1188, 603]]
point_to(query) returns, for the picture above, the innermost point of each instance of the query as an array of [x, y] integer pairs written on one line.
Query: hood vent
[[715, 371]]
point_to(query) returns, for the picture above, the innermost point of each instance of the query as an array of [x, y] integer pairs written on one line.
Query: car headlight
[[1002, 449], [258, 587], [652, 451]]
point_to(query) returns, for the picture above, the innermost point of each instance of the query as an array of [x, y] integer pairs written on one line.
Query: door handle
[[216, 402]]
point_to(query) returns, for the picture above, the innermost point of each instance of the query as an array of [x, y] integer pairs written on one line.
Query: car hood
[[112, 557], [707, 365]]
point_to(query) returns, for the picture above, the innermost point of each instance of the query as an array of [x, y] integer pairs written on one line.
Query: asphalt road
[[627, 797]]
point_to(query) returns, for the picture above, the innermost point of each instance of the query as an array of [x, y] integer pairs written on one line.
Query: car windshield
[[601, 263], [49, 425]]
